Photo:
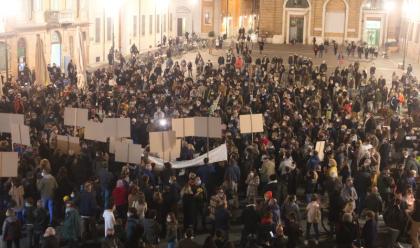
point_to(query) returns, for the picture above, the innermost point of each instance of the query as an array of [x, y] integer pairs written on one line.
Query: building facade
[[372, 21], [102, 24], [56, 22], [410, 30]]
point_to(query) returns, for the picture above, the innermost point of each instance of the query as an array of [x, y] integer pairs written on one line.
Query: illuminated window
[[164, 23], [134, 26], [143, 25], [150, 24], [157, 24], [98, 30], [2, 56], [55, 5], [108, 28]]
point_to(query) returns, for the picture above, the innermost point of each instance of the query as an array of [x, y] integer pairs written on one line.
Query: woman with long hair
[[172, 229]]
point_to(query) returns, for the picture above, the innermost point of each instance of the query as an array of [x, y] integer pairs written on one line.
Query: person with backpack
[[11, 229]]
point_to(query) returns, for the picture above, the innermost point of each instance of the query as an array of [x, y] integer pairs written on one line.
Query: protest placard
[[117, 127], [9, 162], [68, 144], [252, 123], [7, 119], [77, 117], [95, 131], [20, 134]]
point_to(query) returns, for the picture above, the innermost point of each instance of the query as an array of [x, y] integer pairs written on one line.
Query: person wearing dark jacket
[[111, 240], [29, 219], [40, 222], [362, 182], [373, 201], [134, 230], [11, 229], [221, 219], [415, 224], [346, 232], [292, 230], [266, 228], [250, 221], [71, 226], [50, 239], [370, 230], [87, 209], [188, 242]]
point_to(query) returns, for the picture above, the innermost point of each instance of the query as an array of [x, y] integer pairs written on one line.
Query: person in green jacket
[[71, 226]]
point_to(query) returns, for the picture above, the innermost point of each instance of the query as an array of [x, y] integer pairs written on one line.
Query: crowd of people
[[274, 183]]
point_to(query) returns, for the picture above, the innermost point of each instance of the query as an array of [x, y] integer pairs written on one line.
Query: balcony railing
[[52, 17], [63, 17], [66, 17]]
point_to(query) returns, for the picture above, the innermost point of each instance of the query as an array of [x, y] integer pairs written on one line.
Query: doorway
[[372, 32], [296, 28], [180, 27], [56, 49]]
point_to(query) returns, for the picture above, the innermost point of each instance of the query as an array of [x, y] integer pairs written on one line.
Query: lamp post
[[410, 9], [227, 17], [113, 7], [193, 3], [8, 9], [165, 6]]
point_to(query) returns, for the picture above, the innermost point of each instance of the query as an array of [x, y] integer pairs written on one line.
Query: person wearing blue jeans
[[47, 185], [49, 204]]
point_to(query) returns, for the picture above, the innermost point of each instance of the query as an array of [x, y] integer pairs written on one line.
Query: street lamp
[[410, 9], [8, 9], [113, 7], [227, 17]]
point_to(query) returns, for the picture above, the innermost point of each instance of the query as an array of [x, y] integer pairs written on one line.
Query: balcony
[[52, 18], [66, 17], [57, 18]]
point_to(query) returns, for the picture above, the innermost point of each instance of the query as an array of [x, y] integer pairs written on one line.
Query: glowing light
[[389, 5], [411, 9], [113, 6], [163, 122], [9, 8]]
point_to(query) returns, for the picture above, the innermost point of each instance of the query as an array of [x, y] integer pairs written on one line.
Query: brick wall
[[271, 16], [336, 6]]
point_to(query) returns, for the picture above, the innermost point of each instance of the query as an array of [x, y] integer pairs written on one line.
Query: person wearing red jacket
[[120, 195]]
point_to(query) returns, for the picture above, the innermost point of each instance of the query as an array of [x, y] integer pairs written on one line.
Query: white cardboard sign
[[8, 164], [95, 131], [128, 152], [20, 134], [253, 123], [117, 127], [7, 119], [76, 117]]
